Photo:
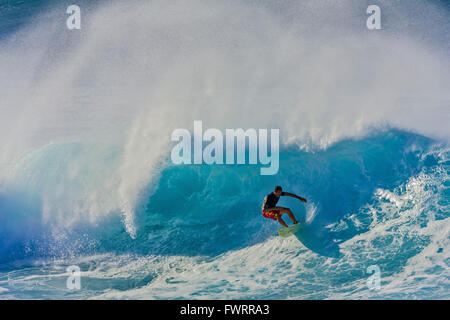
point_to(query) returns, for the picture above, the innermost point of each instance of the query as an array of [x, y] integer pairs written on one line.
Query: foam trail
[[311, 213]]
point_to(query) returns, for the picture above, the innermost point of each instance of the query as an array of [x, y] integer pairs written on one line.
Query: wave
[[67, 196], [130, 81], [382, 200], [85, 139]]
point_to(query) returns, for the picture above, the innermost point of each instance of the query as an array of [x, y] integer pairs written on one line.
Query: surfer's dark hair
[[278, 188]]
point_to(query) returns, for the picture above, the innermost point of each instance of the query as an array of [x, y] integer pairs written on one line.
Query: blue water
[[382, 200], [378, 197]]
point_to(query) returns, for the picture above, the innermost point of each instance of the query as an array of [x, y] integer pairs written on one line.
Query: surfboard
[[289, 231]]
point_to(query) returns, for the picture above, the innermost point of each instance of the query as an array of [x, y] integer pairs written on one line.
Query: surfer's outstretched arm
[[294, 196]]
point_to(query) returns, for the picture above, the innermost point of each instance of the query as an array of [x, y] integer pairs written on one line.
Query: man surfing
[[271, 211]]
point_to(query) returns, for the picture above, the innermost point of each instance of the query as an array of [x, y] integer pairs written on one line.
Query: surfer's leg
[[281, 221], [289, 212]]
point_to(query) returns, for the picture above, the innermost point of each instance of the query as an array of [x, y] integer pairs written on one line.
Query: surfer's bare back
[[271, 211]]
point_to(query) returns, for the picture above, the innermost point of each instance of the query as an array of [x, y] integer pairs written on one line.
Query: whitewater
[[86, 178]]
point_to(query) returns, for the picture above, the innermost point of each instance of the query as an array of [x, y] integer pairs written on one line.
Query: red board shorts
[[271, 214]]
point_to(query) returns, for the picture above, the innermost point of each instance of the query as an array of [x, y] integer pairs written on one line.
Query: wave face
[[85, 178], [382, 200]]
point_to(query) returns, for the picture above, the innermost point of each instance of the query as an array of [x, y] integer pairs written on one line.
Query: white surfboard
[[289, 231]]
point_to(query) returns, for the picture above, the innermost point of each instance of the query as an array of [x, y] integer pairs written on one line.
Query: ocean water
[[86, 178]]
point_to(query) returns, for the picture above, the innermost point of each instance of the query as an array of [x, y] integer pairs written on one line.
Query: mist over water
[[363, 116]]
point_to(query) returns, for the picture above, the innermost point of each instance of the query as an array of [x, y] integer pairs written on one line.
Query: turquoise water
[[375, 201], [86, 178]]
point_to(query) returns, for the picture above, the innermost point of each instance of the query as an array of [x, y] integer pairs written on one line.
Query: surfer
[[271, 211]]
